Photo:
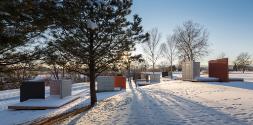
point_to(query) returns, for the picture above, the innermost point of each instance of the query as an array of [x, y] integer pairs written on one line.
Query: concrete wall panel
[[105, 83], [62, 88], [32, 90], [190, 70], [219, 69], [120, 81]]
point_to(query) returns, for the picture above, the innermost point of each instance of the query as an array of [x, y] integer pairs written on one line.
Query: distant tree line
[[242, 62], [188, 42]]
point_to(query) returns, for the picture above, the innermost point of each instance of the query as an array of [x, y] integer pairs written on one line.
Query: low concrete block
[[190, 70], [32, 90], [219, 69], [164, 74], [62, 88], [155, 78], [120, 81], [105, 83]]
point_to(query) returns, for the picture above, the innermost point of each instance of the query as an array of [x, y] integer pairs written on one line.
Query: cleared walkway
[[152, 106]]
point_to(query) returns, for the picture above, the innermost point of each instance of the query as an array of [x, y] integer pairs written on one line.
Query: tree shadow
[[242, 85], [159, 109], [155, 106]]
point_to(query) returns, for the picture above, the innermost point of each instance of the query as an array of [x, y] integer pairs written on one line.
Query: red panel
[[120, 81], [219, 69]]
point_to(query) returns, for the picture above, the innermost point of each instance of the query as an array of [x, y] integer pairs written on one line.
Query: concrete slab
[[49, 103]]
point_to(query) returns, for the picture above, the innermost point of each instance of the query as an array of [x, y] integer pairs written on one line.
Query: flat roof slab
[[49, 103]]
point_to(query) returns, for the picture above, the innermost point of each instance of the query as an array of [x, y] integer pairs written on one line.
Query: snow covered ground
[[9, 97], [169, 102], [10, 117], [247, 76], [247, 84], [173, 102]]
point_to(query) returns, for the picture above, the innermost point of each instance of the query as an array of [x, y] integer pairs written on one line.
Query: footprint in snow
[[236, 104], [237, 99], [240, 114]]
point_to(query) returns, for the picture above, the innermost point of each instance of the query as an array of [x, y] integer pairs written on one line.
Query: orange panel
[[120, 81], [219, 69]]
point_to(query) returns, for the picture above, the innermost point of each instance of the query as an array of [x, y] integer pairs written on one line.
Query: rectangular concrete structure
[[54, 87], [120, 81], [105, 83], [32, 90], [164, 74], [155, 78], [145, 76], [190, 70], [151, 77], [62, 88], [219, 69]]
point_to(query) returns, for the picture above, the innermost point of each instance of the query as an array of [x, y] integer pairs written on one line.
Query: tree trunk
[[63, 72], [171, 70], [55, 72], [92, 72], [153, 65], [128, 73], [92, 75]]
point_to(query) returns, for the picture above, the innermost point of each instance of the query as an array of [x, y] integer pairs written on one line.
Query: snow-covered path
[[164, 108], [157, 107], [172, 103]]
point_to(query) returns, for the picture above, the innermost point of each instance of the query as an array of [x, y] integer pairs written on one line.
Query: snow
[[50, 102], [40, 77], [142, 83], [207, 79], [169, 102], [243, 85], [10, 97], [100, 2], [10, 117], [150, 73], [173, 102], [91, 25], [247, 76]]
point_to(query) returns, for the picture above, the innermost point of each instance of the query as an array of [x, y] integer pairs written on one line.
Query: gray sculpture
[[62, 88], [105, 83], [190, 70]]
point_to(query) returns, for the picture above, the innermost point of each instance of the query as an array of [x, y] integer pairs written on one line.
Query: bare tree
[[235, 65], [55, 60], [169, 51], [191, 40], [151, 47], [243, 60]]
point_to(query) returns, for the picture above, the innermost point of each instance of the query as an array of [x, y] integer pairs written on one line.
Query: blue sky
[[229, 22]]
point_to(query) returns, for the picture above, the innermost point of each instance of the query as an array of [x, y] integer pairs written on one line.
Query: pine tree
[[96, 33], [20, 22]]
